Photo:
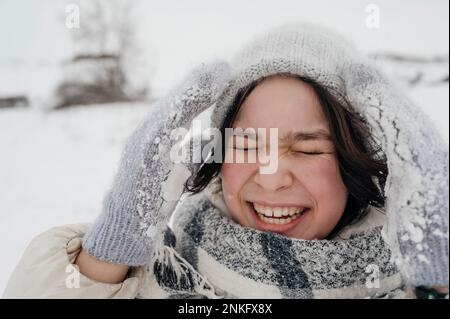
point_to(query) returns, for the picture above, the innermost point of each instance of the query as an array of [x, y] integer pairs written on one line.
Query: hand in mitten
[[148, 183], [417, 194]]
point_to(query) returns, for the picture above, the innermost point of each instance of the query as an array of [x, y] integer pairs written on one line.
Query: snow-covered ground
[[54, 169]]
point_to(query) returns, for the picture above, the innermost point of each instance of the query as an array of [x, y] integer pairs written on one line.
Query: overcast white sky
[[176, 34]]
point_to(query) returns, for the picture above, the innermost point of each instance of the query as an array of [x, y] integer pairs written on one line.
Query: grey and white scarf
[[205, 254]]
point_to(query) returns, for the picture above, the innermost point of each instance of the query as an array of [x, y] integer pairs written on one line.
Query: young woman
[[355, 207]]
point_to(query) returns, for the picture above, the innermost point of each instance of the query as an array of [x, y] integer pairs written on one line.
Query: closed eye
[[310, 153], [244, 148]]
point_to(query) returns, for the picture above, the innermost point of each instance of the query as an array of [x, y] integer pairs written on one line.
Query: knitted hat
[[417, 157]]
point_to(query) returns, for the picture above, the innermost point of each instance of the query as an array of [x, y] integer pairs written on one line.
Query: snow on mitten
[[416, 189], [148, 184]]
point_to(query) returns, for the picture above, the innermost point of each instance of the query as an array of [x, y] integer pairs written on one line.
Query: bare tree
[[106, 39], [107, 27]]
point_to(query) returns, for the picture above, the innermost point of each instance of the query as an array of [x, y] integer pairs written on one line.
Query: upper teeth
[[278, 211]]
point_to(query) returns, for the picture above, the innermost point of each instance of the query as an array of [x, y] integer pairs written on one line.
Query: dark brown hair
[[362, 163]]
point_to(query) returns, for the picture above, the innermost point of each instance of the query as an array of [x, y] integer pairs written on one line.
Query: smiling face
[[305, 197]]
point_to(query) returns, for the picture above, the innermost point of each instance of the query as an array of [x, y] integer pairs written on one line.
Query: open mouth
[[279, 219]]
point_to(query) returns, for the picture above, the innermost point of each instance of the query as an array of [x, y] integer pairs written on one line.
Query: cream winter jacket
[[46, 270]]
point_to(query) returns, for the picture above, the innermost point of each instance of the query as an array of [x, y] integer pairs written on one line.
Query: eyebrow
[[319, 134]]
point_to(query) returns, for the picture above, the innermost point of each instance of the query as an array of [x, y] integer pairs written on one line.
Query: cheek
[[231, 177], [234, 178], [322, 178], [325, 178]]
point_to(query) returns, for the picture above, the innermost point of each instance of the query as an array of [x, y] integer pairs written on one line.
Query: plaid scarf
[[205, 254]]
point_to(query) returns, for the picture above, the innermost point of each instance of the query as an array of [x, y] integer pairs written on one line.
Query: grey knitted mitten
[[148, 184]]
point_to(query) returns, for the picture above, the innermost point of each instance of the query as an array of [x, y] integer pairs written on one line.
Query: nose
[[280, 179]]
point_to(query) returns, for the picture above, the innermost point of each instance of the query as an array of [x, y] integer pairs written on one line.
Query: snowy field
[[54, 169]]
